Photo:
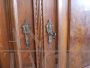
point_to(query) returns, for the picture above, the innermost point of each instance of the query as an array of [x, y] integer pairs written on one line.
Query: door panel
[[79, 52], [50, 15], [23, 14], [25, 11]]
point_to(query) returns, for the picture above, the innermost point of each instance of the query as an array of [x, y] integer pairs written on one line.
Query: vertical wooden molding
[[8, 16], [68, 29], [35, 5], [4, 45], [18, 46], [62, 32], [38, 28]]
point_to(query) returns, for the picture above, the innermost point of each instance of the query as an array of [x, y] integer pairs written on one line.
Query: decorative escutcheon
[[26, 31], [51, 34]]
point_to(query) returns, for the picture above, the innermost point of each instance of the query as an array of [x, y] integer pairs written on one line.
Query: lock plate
[[26, 32], [51, 34]]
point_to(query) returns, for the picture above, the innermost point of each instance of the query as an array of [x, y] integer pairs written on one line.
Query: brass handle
[[51, 34], [26, 32]]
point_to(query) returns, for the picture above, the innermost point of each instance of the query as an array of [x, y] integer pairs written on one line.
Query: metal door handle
[[51, 34], [26, 32]]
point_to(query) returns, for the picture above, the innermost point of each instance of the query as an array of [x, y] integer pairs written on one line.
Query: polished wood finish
[[79, 56], [50, 13], [23, 11], [4, 38], [45, 53], [38, 26], [70, 22], [62, 32]]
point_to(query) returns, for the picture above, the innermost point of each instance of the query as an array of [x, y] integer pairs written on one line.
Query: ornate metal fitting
[[26, 31], [51, 34]]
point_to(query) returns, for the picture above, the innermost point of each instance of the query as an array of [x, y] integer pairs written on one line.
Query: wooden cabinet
[[40, 20], [44, 34]]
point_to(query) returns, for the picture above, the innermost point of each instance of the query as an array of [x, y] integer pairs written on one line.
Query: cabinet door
[[23, 20], [46, 25], [50, 33], [79, 47], [4, 38]]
